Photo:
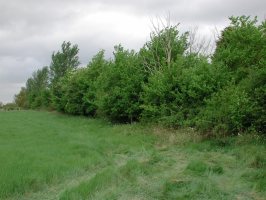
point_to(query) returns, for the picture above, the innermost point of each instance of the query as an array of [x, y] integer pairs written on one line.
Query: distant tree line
[[9, 106], [164, 82]]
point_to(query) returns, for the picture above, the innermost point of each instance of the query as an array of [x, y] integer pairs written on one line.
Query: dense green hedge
[[164, 82]]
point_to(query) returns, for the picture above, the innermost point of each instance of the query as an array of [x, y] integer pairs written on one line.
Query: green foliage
[[10, 107], [242, 45], [175, 95], [63, 62], [58, 90], [21, 98], [75, 88], [240, 106], [227, 111], [164, 47], [255, 86], [164, 82], [80, 89], [119, 87], [37, 91], [62, 65]]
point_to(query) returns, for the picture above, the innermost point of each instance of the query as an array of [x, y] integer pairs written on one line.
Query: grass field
[[52, 156]]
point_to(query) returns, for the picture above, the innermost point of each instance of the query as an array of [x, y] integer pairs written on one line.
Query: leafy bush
[[240, 44], [174, 95], [76, 87], [164, 47], [255, 85], [81, 89], [119, 87], [228, 111], [241, 105], [58, 90]]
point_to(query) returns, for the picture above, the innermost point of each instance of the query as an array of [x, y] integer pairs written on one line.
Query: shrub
[[255, 85], [119, 87], [242, 43], [175, 95], [227, 112], [80, 88], [242, 46]]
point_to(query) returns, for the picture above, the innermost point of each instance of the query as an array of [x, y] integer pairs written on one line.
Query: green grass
[[53, 156]]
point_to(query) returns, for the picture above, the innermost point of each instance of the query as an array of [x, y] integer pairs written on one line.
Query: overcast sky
[[30, 30]]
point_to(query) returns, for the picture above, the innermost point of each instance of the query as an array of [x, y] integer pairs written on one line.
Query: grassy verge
[[51, 156]]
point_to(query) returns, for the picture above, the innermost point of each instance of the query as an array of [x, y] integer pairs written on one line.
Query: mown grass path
[[53, 156]]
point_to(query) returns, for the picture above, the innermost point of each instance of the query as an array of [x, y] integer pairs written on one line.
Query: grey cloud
[[13, 69], [31, 30], [200, 11], [8, 90]]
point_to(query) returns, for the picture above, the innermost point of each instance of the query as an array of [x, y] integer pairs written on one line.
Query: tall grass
[[52, 156]]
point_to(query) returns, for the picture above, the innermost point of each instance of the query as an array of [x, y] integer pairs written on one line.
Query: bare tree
[[199, 44], [165, 32], [165, 44]]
